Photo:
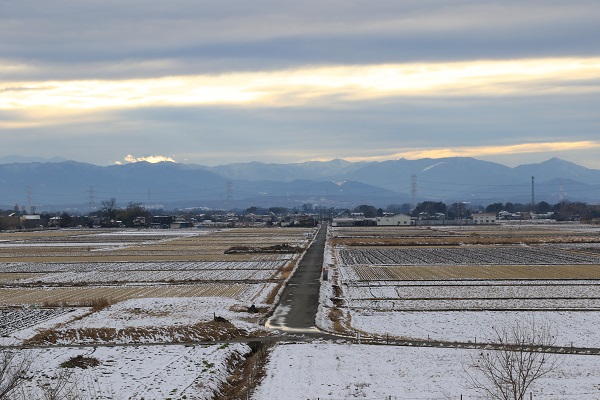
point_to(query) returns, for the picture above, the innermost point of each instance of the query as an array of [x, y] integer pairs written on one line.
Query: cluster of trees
[[128, 215], [563, 211]]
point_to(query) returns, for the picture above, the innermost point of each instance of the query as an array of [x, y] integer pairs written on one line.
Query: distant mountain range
[[51, 185]]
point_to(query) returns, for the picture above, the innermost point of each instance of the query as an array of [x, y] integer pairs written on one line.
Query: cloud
[[296, 80], [151, 159], [307, 86], [482, 151], [238, 35]]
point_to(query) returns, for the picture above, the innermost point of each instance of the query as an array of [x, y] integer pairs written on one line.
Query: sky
[[218, 82]]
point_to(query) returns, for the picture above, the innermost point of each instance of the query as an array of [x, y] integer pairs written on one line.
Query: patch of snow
[[149, 372], [347, 371], [433, 166], [577, 327], [165, 312]]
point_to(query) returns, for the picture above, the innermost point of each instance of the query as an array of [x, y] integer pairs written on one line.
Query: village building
[[484, 218], [395, 220]]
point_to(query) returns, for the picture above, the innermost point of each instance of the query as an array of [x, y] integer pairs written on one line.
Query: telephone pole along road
[[299, 301]]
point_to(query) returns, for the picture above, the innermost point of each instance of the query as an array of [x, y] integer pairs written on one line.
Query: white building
[[394, 220], [484, 218]]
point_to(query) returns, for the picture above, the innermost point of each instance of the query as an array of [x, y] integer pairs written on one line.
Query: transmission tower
[[561, 197], [413, 188], [229, 192], [91, 199], [533, 191], [29, 196]]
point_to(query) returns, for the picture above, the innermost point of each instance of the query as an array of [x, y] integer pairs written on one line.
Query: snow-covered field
[[166, 312], [30, 267], [138, 372], [19, 324], [577, 328], [103, 277], [468, 255], [77, 295], [329, 371], [150, 301], [164, 290]]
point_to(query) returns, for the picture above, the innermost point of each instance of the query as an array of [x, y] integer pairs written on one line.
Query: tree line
[[127, 216]]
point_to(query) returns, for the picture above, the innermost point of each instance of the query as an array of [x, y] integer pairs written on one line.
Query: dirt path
[[299, 302]]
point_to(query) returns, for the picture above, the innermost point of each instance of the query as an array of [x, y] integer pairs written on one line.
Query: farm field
[[151, 287], [150, 292], [397, 280], [141, 372], [74, 267], [353, 371], [79, 268]]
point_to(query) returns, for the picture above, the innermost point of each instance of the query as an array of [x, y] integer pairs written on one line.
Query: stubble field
[[77, 289], [388, 280], [74, 267]]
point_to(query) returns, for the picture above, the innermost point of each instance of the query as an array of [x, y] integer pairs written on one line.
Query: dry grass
[[340, 324], [142, 248], [287, 269], [99, 303], [272, 296], [80, 361], [87, 295], [247, 373], [201, 331]]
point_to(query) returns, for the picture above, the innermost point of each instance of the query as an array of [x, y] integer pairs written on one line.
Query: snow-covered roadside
[[345, 371], [326, 292]]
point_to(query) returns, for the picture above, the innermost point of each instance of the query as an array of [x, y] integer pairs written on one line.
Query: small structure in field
[[395, 220], [484, 218]]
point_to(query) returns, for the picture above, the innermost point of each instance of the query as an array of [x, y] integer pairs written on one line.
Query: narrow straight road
[[297, 308]]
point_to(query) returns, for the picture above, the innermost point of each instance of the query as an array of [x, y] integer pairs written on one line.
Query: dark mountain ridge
[[335, 183]]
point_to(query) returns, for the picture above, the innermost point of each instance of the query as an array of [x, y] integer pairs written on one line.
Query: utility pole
[[533, 192]]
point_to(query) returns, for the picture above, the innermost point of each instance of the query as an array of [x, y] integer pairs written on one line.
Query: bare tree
[[109, 208], [69, 384], [61, 386], [14, 366], [521, 358]]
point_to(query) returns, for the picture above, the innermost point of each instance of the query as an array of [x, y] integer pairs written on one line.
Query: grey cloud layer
[[216, 135], [45, 40], [104, 39]]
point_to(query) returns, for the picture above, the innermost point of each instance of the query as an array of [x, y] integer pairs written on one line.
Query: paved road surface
[[298, 305]]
